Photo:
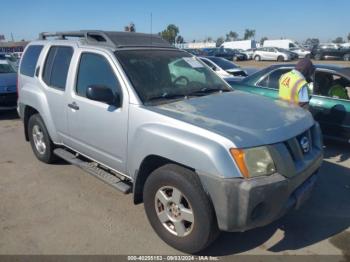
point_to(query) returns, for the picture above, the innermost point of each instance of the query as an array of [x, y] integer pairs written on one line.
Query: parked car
[[271, 53], [302, 53], [250, 53], [226, 53], [341, 53], [224, 68], [8, 89], [332, 113], [153, 120]]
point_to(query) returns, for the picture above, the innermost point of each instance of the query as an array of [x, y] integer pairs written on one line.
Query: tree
[[262, 40], [219, 41], [248, 34], [338, 40], [170, 33], [312, 42], [130, 27], [180, 39], [231, 36]]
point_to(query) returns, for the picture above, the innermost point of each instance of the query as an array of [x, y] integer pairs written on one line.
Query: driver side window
[[331, 85], [94, 69]]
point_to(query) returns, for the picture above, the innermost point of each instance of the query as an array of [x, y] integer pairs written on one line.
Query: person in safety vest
[[294, 87]]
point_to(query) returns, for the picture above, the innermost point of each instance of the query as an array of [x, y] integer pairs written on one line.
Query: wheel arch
[[148, 165]]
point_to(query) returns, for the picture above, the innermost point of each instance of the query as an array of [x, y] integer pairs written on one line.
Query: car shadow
[[337, 149], [9, 115], [324, 215]]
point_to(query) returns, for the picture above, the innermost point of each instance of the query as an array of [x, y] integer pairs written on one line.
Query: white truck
[[244, 44]]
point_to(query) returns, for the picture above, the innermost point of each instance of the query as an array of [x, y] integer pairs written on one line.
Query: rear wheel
[[179, 210], [280, 58], [40, 141], [257, 58], [346, 57]]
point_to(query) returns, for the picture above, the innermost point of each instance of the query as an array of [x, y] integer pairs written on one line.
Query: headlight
[[253, 162]]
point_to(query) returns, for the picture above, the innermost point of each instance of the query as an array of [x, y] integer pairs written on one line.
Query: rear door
[[54, 79], [268, 85], [96, 129]]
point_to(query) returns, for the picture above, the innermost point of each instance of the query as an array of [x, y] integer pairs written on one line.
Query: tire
[[280, 59], [195, 236], [40, 141], [318, 57], [257, 58], [346, 57]]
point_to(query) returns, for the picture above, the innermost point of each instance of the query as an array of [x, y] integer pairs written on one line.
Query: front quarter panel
[[151, 133]]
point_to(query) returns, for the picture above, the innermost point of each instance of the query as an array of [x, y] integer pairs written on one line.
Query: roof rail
[[92, 36], [111, 39]]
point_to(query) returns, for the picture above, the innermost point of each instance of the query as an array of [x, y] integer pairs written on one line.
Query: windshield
[[223, 63], [6, 68], [157, 74]]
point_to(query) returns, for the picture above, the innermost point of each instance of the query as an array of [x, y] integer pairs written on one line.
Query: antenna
[[151, 28]]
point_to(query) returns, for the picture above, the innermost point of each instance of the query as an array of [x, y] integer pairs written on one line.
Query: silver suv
[[150, 119]]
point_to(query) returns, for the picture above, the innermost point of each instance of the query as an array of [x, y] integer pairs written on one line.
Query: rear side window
[[272, 79], [57, 66], [30, 59], [94, 69]]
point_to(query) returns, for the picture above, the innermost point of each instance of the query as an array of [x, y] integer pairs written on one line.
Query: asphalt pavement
[[59, 209]]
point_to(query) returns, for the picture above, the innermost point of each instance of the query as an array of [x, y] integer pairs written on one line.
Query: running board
[[94, 170]]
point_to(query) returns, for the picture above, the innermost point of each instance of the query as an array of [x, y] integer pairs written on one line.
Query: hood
[[9, 79], [247, 120]]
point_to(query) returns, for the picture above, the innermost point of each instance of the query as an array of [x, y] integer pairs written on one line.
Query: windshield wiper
[[166, 96], [206, 90]]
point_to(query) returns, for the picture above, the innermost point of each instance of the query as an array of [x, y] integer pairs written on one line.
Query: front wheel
[[40, 141], [257, 58], [179, 210]]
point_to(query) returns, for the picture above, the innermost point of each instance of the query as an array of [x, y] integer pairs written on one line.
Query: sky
[[196, 19]]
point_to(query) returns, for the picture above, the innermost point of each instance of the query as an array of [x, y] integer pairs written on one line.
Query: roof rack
[[112, 39]]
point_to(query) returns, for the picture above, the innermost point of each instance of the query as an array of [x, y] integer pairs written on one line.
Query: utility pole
[[13, 40]]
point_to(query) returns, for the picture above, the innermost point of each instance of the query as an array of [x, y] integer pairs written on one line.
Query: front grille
[[8, 100], [296, 146]]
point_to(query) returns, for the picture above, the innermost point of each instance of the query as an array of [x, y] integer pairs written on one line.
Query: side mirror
[[103, 94]]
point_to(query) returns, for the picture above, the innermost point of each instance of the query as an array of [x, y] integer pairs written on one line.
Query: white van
[[244, 44]]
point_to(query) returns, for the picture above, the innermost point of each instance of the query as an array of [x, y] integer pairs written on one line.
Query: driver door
[[98, 130]]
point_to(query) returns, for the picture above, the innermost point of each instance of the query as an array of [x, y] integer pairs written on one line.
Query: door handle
[[73, 106]]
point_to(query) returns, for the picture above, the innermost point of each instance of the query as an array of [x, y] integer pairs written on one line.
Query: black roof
[[112, 39]]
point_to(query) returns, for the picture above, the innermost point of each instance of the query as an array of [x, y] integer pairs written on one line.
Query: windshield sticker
[[193, 62]]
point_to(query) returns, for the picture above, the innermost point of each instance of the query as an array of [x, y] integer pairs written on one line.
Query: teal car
[[333, 113]]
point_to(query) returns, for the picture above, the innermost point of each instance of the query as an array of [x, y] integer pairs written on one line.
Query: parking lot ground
[[59, 209]]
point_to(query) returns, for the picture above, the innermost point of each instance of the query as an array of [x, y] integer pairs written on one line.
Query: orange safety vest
[[290, 85]]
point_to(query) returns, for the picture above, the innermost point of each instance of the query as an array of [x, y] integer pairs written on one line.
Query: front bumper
[[242, 204]]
